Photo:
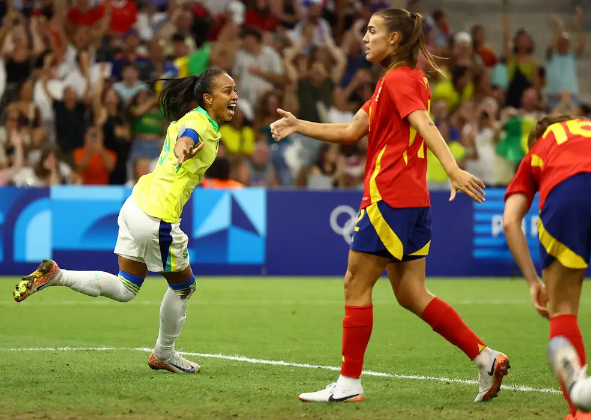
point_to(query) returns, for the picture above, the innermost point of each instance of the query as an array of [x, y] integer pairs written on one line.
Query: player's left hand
[[468, 184], [187, 152]]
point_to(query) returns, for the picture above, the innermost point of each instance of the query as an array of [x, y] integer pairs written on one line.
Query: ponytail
[[179, 95], [410, 27]]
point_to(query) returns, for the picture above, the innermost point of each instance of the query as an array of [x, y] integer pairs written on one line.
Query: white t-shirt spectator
[[252, 86]]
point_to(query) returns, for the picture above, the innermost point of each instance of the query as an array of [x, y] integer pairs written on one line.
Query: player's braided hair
[[179, 96], [410, 27]]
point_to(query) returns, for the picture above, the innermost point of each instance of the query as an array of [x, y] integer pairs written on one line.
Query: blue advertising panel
[[249, 232]]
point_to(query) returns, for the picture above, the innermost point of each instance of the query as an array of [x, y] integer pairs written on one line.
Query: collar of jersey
[[215, 125]]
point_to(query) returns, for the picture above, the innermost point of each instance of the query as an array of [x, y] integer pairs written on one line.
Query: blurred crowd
[[75, 108]]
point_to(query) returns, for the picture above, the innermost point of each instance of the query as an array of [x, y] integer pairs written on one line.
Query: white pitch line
[[290, 364], [254, 302]]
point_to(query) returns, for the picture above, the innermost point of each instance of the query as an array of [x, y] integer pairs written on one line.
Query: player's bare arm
[[184, 149], [349, 133], [516, 208], [460, 180]]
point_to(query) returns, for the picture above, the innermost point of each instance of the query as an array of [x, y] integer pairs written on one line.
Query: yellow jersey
[[164, 192]]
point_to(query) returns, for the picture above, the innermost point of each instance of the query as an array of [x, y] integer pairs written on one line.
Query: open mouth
[[231, 108]]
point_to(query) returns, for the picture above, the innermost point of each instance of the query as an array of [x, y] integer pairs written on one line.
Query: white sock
[[173, 313], [482, 361], [99, 283], [346, 382]]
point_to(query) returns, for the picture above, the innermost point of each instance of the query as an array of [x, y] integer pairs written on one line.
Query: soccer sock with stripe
[[568, 327], [121, 288], [357, 327], [173, 313], [447, 322]]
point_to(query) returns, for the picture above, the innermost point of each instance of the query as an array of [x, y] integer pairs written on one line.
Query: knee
[[357, 291]]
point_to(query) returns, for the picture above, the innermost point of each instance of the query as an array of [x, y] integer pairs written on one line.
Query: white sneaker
[[176, 364], [566, 365], [45, 275], [491, 374], [334, 393]]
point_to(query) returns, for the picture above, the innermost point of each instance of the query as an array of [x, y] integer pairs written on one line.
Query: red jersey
[[396, 168], [563, 151]]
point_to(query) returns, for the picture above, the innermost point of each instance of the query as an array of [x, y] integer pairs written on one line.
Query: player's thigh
[[130, 266], [564, 286], [168, 254], [363, 271]]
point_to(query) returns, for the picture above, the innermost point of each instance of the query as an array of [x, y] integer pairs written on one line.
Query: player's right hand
[[468, 184], [186, 152], [539, 298], [284, 127]]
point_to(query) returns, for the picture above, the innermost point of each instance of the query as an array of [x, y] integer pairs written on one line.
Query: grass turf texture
[[292, 320]]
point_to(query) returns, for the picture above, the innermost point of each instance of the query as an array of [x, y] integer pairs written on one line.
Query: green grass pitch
[[297, 321]]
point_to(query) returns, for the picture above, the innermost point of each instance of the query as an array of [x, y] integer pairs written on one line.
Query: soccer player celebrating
[[150, 238], [558, 166], [393, 231]]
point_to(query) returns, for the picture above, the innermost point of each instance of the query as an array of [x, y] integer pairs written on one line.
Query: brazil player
[[393, 231], [150, 238], [558, 166]]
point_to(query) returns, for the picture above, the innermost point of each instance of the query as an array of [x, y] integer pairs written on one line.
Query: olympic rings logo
[[346, 229]]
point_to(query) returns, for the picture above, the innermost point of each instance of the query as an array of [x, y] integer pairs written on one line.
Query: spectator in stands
[[70, 116], [48, 171], [456, 90], [319, 27], [9, 167], [486, 54], [522, 67], [141, 166], [478, 137], [148, 126], [257, 67], [19, 52], [561, 63], [261, 17], [328, 169], [441, 32], [109, 113], [94, 162], [238, 136], [267, 111], [260, 171], [122, 15], [218, 176], [130, 84]]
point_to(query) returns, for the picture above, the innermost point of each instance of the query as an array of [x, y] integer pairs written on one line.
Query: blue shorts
[[400, 234], [564, 227]]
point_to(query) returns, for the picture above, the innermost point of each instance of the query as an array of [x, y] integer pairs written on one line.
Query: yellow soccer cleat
[[44, 276]]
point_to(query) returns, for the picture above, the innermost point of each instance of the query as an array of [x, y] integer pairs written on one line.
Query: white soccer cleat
[[176, 364], [491, 374], [566, 365], [45, 275], [334, 393]]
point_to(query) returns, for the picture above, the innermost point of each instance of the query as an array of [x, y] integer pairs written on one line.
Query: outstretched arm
[[348, 133]]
